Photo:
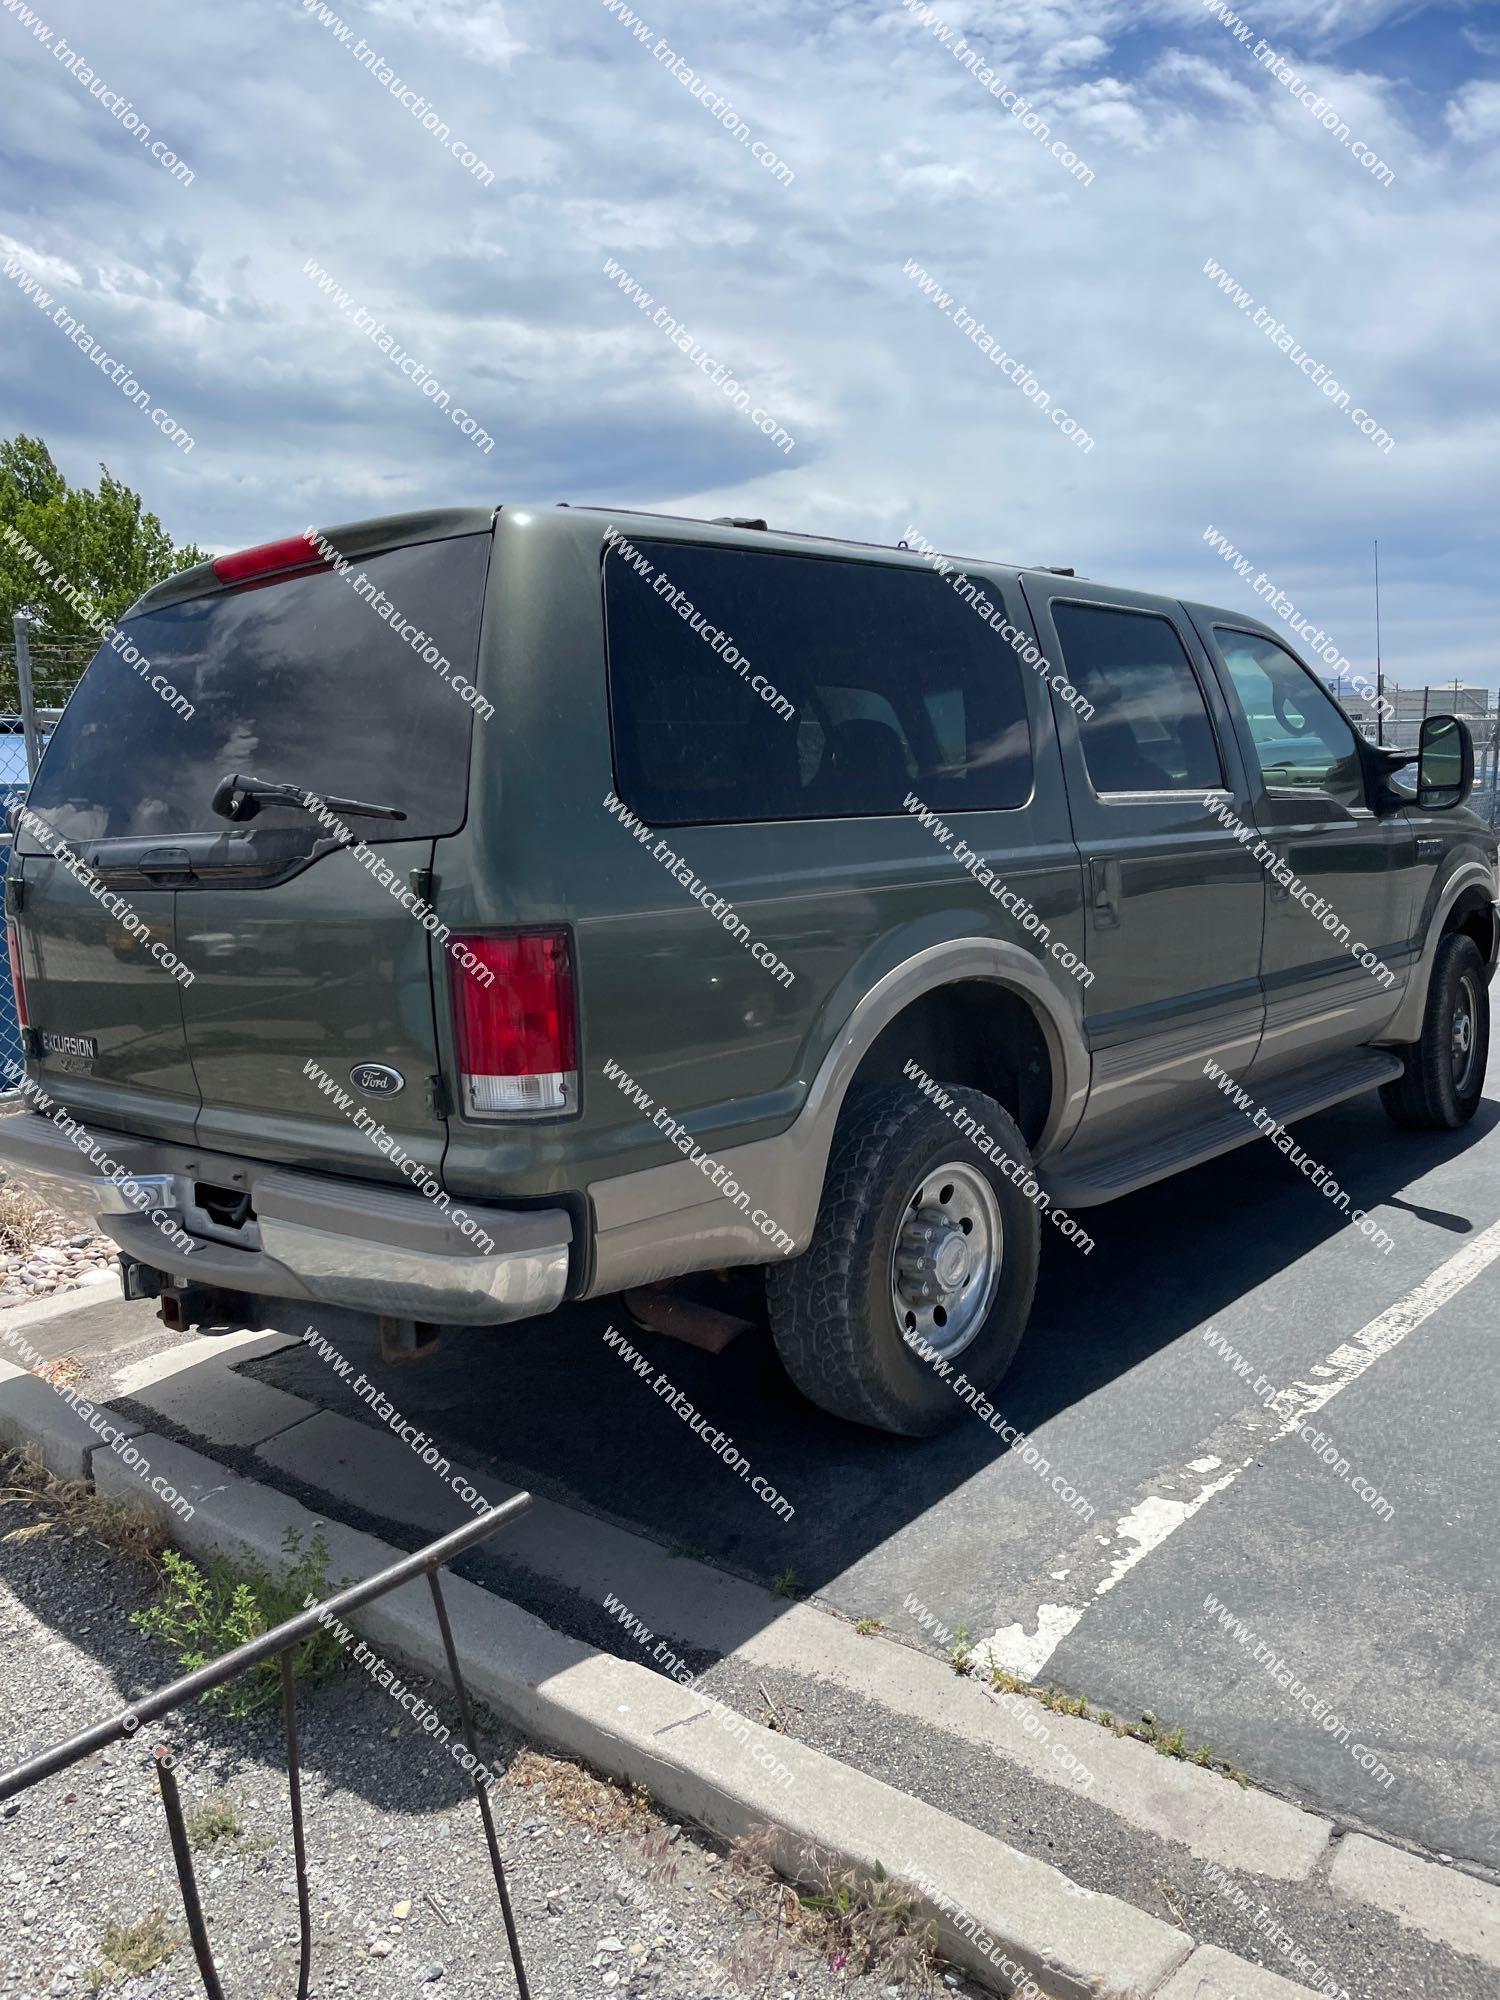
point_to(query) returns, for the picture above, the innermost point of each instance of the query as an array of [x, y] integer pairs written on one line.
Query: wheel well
[[1474, 916], [976, 1033]]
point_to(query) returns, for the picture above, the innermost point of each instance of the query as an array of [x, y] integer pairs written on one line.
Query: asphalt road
[[1382, 1615]]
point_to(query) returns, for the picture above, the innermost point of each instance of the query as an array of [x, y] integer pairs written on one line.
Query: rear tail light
[[297, 552], [515, 1025], [18, 984]]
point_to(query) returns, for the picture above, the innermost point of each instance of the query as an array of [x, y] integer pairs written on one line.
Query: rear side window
[[1150, 730], [309, 681], [895, 685]]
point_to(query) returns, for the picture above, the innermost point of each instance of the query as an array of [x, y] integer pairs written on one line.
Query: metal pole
[[28, 699], [1379, 664]]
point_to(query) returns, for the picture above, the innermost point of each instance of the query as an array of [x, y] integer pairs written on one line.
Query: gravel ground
[[609, 1897], [39, 1252]]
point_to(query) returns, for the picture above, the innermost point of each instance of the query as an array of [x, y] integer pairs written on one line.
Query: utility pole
[[1379, 670]]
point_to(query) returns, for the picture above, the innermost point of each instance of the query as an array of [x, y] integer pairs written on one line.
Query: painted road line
[[1095, 1563]]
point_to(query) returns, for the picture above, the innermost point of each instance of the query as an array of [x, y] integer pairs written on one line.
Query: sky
[[581, 144]]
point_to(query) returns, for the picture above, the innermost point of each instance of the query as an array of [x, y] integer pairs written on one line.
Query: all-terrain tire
[[1445, 1070], [831, 1309]]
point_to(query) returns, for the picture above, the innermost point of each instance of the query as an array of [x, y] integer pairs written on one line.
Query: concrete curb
[[999, 1913]]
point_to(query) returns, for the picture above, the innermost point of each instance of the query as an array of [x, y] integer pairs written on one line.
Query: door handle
[[1104, 893]]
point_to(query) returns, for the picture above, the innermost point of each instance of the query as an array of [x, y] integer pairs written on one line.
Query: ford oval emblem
[[377, 1079]]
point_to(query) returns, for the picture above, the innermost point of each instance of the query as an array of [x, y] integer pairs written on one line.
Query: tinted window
[[301, 682], [1149, 731], [1301, 738], [898, 686]]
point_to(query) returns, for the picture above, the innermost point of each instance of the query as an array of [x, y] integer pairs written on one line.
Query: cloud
[[1474, 114]]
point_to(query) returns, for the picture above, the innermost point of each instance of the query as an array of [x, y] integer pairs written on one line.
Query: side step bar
[[1101, 1179]]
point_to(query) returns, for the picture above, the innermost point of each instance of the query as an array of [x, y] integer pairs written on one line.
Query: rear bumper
[[313, 1237]]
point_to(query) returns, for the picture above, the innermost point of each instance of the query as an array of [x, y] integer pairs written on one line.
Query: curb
[[999, 1914]]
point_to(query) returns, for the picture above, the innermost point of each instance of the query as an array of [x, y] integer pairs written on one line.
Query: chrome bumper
[[329, 1241]]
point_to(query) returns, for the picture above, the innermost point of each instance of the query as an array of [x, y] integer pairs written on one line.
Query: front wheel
[[1445, 1069], [921, 1270]]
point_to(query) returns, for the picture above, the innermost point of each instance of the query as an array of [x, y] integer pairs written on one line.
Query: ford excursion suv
[[457, 914]]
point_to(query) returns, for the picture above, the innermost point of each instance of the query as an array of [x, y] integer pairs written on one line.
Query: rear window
[[764, 687], [324, 681]]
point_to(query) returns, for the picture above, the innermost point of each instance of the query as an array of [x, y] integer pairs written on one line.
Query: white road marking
[[1175, 1495]]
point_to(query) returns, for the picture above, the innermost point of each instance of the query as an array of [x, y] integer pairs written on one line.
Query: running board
[[1087, 1183]]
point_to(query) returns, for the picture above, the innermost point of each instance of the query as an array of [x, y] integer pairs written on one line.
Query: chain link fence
[[56, 668]]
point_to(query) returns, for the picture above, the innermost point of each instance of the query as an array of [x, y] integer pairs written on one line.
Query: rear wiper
[[238, 797]]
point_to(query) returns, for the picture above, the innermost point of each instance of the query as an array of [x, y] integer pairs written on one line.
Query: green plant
[[215, 1820], [868, 1627], [961, 1652], [130, 1950], [784, 1583], [205, 1611]]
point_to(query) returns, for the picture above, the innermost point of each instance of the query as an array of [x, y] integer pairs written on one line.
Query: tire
[[1445, 1070], [833, 1310]]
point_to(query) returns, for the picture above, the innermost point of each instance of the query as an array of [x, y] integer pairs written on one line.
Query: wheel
[[1445, 1069], [921, 1268]]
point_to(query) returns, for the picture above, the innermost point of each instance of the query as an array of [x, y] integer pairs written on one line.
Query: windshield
[[356, 685]]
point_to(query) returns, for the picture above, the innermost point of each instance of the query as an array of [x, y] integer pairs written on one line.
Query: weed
[[785, 1584], [25, 1222], [868, 1627], [72, 1507], [863, 1921], [215, 1820], [205, 1611], [131, 1950], [961, 1653]]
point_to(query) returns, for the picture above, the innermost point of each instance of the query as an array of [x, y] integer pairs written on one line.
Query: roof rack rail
[[737, 521]]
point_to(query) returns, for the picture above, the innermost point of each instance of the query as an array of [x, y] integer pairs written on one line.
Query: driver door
[[1341, 881]]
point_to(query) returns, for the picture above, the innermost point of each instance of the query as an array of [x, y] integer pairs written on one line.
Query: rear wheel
[[921, 1268], [1445, 1069]]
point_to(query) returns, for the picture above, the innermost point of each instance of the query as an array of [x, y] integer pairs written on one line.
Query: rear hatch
[[301, 997]]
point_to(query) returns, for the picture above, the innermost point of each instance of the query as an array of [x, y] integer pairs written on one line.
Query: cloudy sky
[[298, 152]]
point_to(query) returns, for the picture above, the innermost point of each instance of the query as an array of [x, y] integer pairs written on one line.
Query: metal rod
[[182, 1855], [299, 1844], [203, 1679], [28, 696], [480, 1788]]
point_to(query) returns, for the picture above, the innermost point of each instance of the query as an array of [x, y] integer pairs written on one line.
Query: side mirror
[[1445, 764]]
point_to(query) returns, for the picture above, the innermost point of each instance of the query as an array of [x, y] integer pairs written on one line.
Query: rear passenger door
[[1174, 901]]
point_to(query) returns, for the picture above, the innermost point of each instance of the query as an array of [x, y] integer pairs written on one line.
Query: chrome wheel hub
[[945, 1264]]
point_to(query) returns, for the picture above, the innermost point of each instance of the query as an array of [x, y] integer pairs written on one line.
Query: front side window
[[897, 686], [1301, 739], [1150, 729]]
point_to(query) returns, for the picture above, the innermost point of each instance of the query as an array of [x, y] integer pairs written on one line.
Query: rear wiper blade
[[239, 797]]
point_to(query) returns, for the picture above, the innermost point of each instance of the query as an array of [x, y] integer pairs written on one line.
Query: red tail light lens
[[297, 552], [18, 984], [515, 1024]]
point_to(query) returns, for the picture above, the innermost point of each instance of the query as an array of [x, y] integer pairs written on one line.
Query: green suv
[[460, 913]]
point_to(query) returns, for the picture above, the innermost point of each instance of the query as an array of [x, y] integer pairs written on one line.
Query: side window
[[1300, 737], [896, 686], [1150, 729]]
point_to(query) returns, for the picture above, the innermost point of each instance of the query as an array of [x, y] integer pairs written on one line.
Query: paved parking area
[[1385, 1610]]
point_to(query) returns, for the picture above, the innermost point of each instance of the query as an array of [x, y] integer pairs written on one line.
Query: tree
[[103, 545]]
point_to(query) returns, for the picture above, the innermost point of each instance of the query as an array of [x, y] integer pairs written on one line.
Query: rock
[[401, 1911], [429, 1973], [381, 1948]]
